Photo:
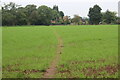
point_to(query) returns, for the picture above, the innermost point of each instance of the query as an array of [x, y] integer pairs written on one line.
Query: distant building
[[53, 22]]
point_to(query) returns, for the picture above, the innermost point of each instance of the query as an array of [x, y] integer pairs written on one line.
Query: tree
[[13, 14], [57, 15], [8, 19], [85, 20], [9, 14], [118, 20], [76, 19], [21, 16], [95, 15], [55, 7], [109, 17], [61, 14], [66, 20], [29, 11], [34, 17], [45, 15]]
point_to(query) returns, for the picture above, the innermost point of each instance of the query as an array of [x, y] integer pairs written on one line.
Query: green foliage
[[61, 14], [95, 15], [55, 7], [77, 19], [109, 17], [45, 15], [57, 15], [8, 19], [13, 14], [66, 20], [9, 14], [21, 16], [30, 10], [118, 20]]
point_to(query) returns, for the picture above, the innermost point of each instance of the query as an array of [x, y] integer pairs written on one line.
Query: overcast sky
[[71, 7]]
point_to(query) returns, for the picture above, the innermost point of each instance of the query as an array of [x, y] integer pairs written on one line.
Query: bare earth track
[[50, 72]]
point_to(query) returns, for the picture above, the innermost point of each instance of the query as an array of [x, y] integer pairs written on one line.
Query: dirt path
[[50, 72]]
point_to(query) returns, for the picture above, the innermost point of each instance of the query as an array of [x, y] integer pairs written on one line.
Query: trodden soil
[[50, 72]]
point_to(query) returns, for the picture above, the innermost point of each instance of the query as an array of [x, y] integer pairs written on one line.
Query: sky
[[71, 7]]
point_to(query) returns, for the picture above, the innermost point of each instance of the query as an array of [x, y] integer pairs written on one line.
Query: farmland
[[68, 51]]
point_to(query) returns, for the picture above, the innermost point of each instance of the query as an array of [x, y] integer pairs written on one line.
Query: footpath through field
[[50, 72]]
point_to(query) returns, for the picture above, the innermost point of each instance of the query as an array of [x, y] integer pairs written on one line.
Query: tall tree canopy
[[30, 9], [61, 14], [45, 15], [9, 14], [109, 17], [58, 15], [13, 14], [55, 7], [95, 15]]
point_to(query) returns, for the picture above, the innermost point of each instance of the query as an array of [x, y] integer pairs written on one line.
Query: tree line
[[13, 14], [98, 17]]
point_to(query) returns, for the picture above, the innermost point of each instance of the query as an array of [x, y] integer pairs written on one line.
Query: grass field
[[87, 51]]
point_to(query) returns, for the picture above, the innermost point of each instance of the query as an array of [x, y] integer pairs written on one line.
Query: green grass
[[27, 48], [87, 49]]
